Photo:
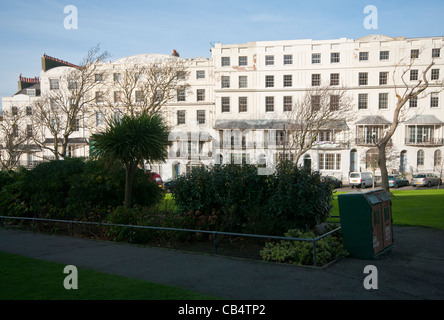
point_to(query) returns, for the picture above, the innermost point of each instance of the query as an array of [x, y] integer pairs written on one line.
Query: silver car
[[425, 179]]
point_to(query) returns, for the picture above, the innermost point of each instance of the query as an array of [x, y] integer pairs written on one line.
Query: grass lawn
[[25, 278], [423, 208]]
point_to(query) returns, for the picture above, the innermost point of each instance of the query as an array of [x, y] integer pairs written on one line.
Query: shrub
[[134, 216], [100, 186], [298, 198], [48, 185], [247, 202], [13, 200], [72, 189], [328, 249]]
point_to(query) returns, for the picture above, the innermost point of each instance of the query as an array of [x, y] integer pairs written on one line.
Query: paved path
[[414, 269]]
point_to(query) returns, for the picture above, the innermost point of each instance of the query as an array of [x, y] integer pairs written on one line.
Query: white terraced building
[[249, 89]]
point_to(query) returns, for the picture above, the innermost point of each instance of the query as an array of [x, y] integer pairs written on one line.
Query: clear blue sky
[[30, 28]]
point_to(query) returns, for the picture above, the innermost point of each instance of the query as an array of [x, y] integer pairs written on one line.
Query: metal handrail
[[214, 233]]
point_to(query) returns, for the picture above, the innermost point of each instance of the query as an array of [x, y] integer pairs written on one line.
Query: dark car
[[335, 182], [397, 181], [169, 186]]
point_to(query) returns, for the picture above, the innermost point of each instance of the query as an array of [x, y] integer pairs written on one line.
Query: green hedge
[[235, 198], [72, 189]]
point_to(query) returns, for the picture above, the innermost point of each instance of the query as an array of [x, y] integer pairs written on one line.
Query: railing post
[[215, 242], [314, 253]]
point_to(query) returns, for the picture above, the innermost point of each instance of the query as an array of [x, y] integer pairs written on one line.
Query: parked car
[[156, 178], [425, 179], [396, 181], [335, 182], [361, 179], [169, 186]]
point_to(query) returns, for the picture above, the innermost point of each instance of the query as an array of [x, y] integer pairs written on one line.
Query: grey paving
[[414, 269]]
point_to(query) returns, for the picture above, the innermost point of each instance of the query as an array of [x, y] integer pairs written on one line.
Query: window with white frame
[[269, 81], [434, 100], [200, 94], [269, 104], [29, 130], [362, 101], [98, 77], [243, 61], [200, 74], [315, 58], [269, 60], [288, 103], [225, 101], [420, 158], [117, 77], [413, 75], [200, 116], [383, 101], [180, 117], [53, 84], [72, 84], [335, 57], [330, 161], [288, 80], [243, 82], [99, 118], [383, 78], [436, 52], [414, 54], [435, 74], [315, 79], [363, 78], [315, 102], [181, 95], [334, 79], [225, 81], [413, 102], [243, 104], [99, 97], [118, 96], [139, 96], [384, 55], [288, 59], [363, 56], [334, 102], [226, 61]]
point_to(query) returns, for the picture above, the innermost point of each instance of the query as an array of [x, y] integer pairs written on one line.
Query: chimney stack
[[175, 53]]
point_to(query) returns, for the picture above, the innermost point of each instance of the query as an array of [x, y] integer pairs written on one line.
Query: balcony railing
[[428, 142]]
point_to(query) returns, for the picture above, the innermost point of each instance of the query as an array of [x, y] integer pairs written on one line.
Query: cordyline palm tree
[[129, 141]]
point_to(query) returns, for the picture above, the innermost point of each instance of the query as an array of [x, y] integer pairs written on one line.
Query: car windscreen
[[355, 175]]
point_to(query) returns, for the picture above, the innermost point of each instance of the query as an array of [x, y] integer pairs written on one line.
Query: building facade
[[244, 94]]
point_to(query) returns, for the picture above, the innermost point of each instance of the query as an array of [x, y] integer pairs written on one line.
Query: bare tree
[[15, 135], [371, 159], [319, 110], [146, 88], [57, 113], [404, 92]]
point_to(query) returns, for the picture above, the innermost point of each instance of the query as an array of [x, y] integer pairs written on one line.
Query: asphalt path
[[412, 270]]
